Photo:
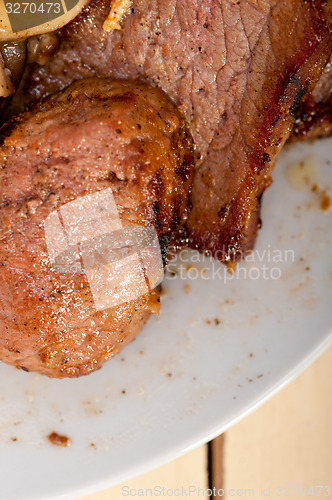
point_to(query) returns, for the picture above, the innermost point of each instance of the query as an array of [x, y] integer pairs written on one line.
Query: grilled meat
[[237, 70], [100, 136]]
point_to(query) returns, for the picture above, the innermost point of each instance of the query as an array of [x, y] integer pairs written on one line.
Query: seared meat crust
[[315, 114], [98, 134]]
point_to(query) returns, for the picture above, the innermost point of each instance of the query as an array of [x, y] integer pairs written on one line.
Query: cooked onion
[[118, 10]]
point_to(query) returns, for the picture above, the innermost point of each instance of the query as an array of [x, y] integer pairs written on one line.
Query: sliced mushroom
[[6, 85], [42, 47], [14, 56]]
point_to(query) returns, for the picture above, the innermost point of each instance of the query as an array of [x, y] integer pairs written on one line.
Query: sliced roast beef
[[237, 70], [89, 181]]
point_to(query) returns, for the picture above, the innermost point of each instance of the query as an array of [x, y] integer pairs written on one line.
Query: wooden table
[[287, 443]]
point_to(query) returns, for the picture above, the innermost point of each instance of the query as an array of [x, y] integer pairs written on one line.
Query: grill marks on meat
[[96, 135], [236, 69]]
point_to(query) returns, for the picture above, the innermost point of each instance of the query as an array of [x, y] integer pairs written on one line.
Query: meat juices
[[99, 135]]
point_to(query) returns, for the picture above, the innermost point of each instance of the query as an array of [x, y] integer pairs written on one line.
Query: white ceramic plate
[[222, 345]]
